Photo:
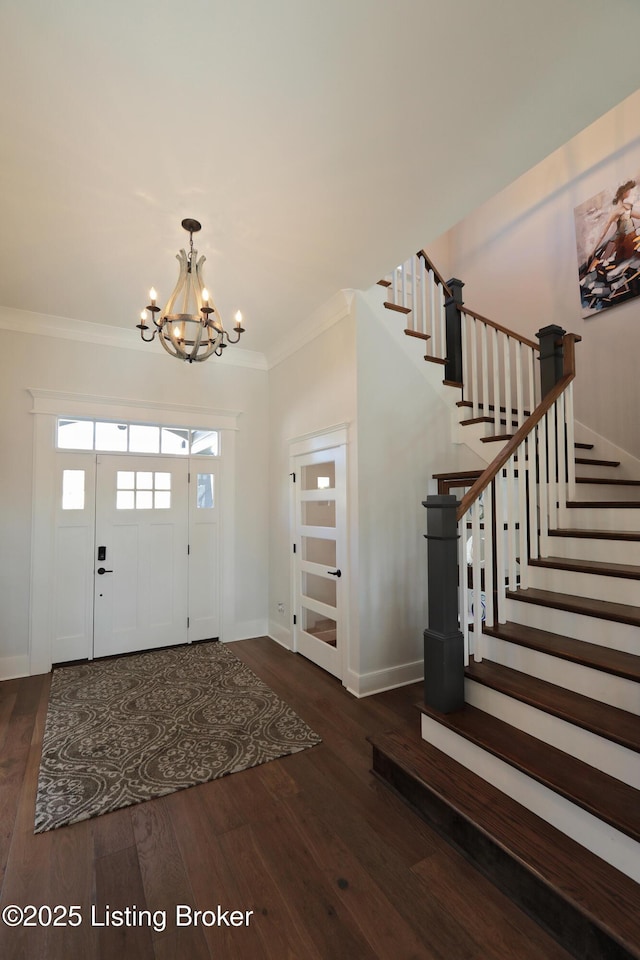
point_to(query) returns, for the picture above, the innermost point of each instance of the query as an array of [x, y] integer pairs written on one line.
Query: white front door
[[320, 558], [140, 561]]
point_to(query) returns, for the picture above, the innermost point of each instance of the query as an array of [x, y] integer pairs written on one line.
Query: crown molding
[[83, 331], [331, 312]]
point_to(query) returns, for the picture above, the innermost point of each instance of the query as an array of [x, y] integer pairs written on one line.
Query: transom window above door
[[110, 436]]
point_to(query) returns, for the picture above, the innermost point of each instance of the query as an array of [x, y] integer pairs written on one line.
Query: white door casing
[[47, 621], [320, 563]]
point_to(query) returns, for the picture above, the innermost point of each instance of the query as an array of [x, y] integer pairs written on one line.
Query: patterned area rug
[[126, 730]]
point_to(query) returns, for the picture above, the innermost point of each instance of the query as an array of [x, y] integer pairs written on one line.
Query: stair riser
[[613, 589], [600, 518], [605, 551], [606, 491], [611, 758], [606, 687], [617, 849], [606, 633]]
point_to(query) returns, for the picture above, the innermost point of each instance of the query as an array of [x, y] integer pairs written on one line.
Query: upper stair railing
[[494, 366]]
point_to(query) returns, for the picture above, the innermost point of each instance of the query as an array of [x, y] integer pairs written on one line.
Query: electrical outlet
[[280, 606]]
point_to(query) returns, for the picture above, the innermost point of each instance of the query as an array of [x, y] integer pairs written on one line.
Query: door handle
[[102, 570], [335, 573]]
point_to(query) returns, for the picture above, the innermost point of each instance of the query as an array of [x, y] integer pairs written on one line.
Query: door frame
[[334, 436], [47, 406]]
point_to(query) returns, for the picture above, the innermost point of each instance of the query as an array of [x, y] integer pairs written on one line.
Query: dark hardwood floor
[[332, 864]]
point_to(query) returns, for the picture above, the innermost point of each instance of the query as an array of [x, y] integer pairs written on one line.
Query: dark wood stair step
[[416, 333], [599, 718], [458, 475], [613, 504], [453, 383], [603, 796], [491, 407], [396, 307], [587, 606], [503, 423], [630, 535], [597, 463], [384, 283], [583, 446], [592, 655], [443, 363], [586, 904], [625, 570], [609, 482], [498, 437]]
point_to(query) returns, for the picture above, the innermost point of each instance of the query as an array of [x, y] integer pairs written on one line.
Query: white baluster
[[501, 564], [496, 375], [489, 548], [424, 326], [464, 323], [476, 580], [512, 515], [561, 430], [523, 550], [432, 309], [484, 366], [519, 388], [543, 487], [508, 402], [443, 334], [463, 588], [571, 444], [552, 435], [473, 343], [531, 456], [414, 322]]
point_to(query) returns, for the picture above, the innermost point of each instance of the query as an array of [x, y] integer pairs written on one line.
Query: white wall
[[309, 390], [517, 256], [404, 436], [63, 365]]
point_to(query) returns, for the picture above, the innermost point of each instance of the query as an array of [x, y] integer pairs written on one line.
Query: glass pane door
[[320, 562]]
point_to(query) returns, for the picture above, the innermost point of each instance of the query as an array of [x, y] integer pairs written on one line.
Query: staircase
[[536, 775]]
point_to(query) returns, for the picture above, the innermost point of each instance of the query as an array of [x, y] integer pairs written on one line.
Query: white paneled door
[[141, 592], [320, 557]]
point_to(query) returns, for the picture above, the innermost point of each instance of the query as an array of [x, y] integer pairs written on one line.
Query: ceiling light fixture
[[190, 327]]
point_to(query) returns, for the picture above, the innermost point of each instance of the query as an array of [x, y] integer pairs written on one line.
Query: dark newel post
[[443, 641], [453, 319], [551, 356]]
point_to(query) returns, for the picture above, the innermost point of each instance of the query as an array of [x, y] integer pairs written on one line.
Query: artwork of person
[[608, 245], [622, 216]]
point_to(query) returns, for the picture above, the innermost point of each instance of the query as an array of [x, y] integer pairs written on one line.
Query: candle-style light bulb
[[153, 294], [238, 319], [143, 315], [205, 295]]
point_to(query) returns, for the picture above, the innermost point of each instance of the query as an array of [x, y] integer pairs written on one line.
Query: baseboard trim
[[12, 668], [368, 684]]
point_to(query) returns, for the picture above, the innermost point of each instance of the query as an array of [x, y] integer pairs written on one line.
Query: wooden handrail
[[497, 326], [443, 283], [481, 484]]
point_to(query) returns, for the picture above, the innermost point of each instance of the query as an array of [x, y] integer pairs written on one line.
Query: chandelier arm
[[182, 279], [147, 339]]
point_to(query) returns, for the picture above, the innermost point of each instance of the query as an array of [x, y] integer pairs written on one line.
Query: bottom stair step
[[588, 906]]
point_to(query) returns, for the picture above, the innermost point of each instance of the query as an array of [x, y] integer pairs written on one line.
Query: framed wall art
[[608, 246]]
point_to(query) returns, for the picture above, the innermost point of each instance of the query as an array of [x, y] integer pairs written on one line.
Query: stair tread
[[602, 568], [603, 609], [600, 718], [397, 307], [597, 463], [458, 475], [615, 504], [594, 888], [601, 795], [416, 333], [500, 436], [574, 532], [608, 481], [592, 655], [583, 446]]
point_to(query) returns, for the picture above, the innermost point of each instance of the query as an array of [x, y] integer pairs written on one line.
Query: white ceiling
[[319, 143]]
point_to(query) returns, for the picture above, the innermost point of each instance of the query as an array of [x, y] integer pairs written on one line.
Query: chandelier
[[189, 328]]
